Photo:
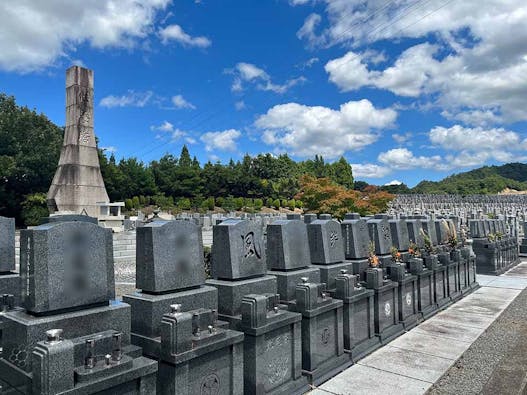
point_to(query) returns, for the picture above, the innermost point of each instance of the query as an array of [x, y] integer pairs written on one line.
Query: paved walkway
[[413, 362]]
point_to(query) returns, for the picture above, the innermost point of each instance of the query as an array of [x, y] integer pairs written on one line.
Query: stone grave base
[[148, 309], [407, 299], [386, 312], [359, 267], [426, 305], [328, 369], [288, 280], [441, 298], [273, 357], [359, 329], [231, 293], [329, 272], [22, 331], [217, 369], [454, 292]]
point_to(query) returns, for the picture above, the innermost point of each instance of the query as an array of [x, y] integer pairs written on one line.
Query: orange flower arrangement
[[373, 259]]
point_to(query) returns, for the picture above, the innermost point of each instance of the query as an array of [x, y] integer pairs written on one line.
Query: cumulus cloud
[[130, 99], [476, 72], [393, 182], [223, 141], [306, 131], [404, 159], [180, 102], [35, 34], [369, 170], [175, 33], [249, 73]]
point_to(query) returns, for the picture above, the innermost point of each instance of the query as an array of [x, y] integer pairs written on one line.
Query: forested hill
[[484, 180]]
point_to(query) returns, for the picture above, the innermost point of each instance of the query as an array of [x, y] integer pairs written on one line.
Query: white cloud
[[175, 134], [393, 182], [35, 34], [306, 131], [369, 170], [240, 105], [249, 73], [307, 31], [130, 99], [459, 138], [402, 138], [180, 102], [404, 159], [177, 34], [224, 140]]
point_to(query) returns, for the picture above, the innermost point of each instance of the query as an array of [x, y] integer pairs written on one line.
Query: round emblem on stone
[[408, 298], [210, 385], [387, 309], [325, 336]]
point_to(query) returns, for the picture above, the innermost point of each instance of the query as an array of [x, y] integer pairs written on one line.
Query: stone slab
[[413, 364], [431, 345], [364, 380]]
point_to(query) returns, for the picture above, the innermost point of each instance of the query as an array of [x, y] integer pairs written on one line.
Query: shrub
[[258, 204], [135, 202], [128, 204], [34, 208], [269, 202], [276, 204], [184, 204]]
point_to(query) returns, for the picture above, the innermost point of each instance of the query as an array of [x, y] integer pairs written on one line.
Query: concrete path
[[413, 362]]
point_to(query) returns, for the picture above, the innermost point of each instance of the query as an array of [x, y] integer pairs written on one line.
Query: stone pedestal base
[[231, 293], [386, 312], [287, 281], [359, 326], [425, 294], [523, 248], [454, 292], [407, 300], [215, 368], [148, 309], [323, 343], [359, 267], [272, 357], [441, 298], [328, 273]]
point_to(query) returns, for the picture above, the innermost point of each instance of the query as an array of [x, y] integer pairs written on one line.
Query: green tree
[[29, 153], [34, 208]]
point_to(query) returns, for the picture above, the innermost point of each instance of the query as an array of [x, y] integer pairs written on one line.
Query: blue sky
[[404, 89]]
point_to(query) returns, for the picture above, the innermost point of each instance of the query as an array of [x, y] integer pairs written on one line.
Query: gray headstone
[[65, 265], [287, 246], [399, 232], [325, 241], [169, 256], [7, 244], [380, 234], [356, 237], [237, 250]]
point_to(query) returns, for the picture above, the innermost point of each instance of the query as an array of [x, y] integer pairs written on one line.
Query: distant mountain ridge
[[484, 180]]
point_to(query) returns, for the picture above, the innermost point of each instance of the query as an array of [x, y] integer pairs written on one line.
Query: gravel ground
[[499, 352]]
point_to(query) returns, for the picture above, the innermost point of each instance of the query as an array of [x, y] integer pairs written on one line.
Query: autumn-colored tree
[[321, 195]]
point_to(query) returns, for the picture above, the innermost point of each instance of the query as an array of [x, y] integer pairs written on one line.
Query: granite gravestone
[[238, 267], [174, 317], [288, 256], [170, 270], [381, 236], [356, 243], [67, 269], [57, 272], [169, 256], [326, 245]]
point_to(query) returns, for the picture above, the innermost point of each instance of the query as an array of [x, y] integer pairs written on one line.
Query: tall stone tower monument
[[78, 185]]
